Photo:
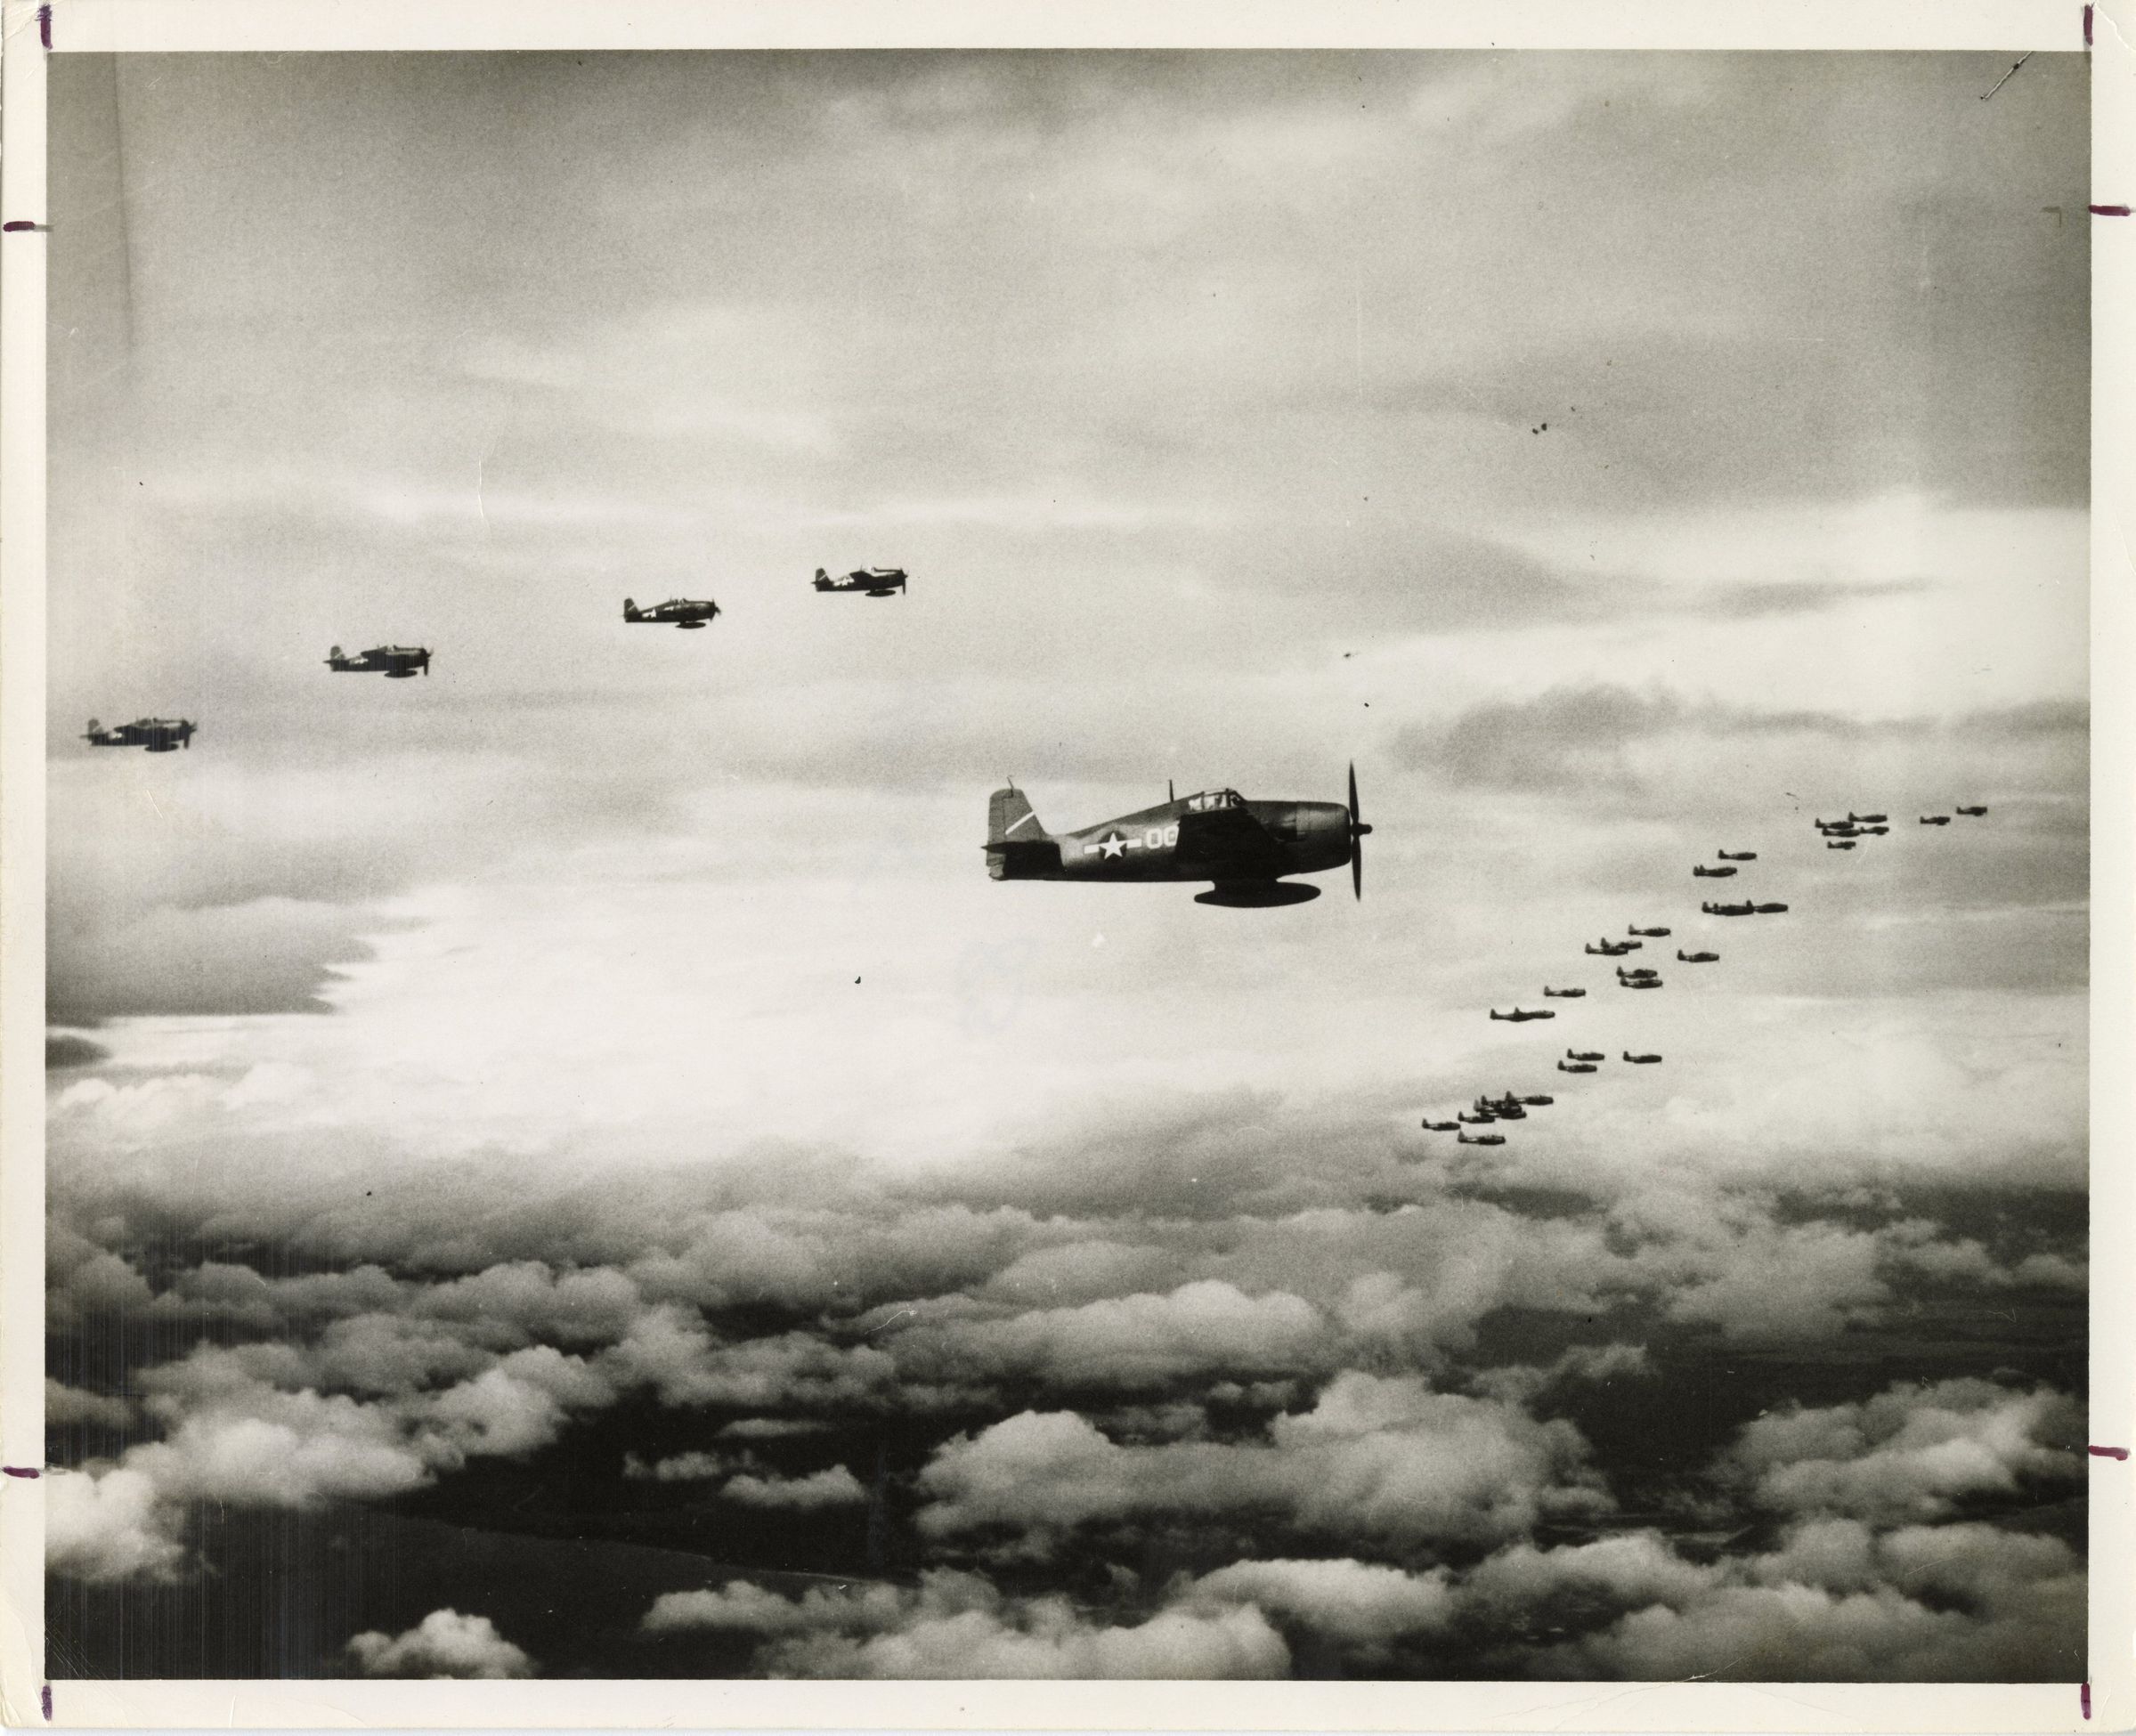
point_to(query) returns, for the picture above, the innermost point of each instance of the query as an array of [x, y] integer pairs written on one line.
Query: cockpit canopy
[[1212, 798]]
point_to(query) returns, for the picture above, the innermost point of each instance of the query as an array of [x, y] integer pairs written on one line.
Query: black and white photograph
[[1019, 863]]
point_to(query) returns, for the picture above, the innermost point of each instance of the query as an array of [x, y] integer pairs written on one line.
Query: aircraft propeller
[[1358, 829]]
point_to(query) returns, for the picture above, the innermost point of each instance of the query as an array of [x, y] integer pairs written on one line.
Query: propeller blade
[[1357, 841]]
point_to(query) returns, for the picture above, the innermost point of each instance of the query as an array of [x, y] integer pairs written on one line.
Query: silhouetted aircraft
[[1612, 949], [1539, 1102], [1839, 843], [1431, 1126], [397, 662], [1638, 982], [676, 612], [1638, 971], [157, 734], [1935, 819], [1481, 1139], [1970, 813], [1477, 1120], [873, 580], [1874, 832], [1244, 846], [1698, 957], [1769, 910], [1576, 1066], [1702, 871], [1865, 819], [1520, 1016], [1641, 1061], [1736, 855], [1583, 1054], [1839, 828], [1564, 993], [1729, 910], [1652, 934]]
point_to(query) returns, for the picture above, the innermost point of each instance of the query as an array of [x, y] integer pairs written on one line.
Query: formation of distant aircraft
[[157, 734], [1563, 993]]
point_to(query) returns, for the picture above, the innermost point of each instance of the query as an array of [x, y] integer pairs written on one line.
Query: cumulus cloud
[[1387, 1459], [835, 1487], [444, 1643], [108, 1528]]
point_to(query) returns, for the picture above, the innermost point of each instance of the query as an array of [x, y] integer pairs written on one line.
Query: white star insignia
[[1112, 846]]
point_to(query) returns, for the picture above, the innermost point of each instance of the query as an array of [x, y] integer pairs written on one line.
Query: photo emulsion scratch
[[1069, 864]]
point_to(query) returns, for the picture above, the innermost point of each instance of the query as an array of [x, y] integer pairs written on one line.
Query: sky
[[609, 1047]]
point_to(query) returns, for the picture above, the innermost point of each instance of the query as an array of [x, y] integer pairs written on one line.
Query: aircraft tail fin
[[1018, 846], [630, 610]]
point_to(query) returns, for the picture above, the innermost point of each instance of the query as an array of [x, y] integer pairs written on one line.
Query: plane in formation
[[1736, 855], [1638, 982], [1935, 819], [1564, 993], [395, 662], [1701, 872], [1730, 909], [1431, 1126], [1866, 819], [1970, 813], [1697, 958], [1640, 1060], [1839, 843], [1244, 847], [1584, 1055], [1651, 934], [1613, 949], [1520, 1016], [1481, 1139], [677, 611], [869, 580], [157, 734], [1576, 1066]]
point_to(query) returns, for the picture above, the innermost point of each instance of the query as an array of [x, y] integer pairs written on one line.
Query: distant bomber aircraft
[[1244, 846], [1698, 957], [871, 580], [1518, 1016], [1700, 871], [157, 734], [676, 612], [1972, 812], [397, 662], [1736, 855], [1652, 934], [1564, 993], [1641, 1061]]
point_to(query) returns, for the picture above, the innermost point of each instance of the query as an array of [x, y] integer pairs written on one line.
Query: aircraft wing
[[1230, 844]]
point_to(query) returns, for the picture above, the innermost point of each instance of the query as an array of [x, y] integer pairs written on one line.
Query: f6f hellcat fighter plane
[[871, 580], [1245, 847], [676, 612], [397, 662], [157, 734]]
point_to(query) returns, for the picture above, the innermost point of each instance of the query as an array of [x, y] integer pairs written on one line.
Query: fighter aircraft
[[1701, 872], [1874, 832], [1935, 819], [397, 662], [1564, 993], [1970, 813], [1244, 846], [1697, 958], [1730, 909], [1519, 1015], [676, 612], [157, 734], [1839, 843], [1640, 1060], [1500, 1109], [1576, 1066], [1652, 934], [1769, 910], [1431, 1126], [1638, 982], [1584, 1055], [1736, 855], [1865, 819], [873, 580], [1481, 1139], [1476, 1120], [1613, 949], [1539, 1102]]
